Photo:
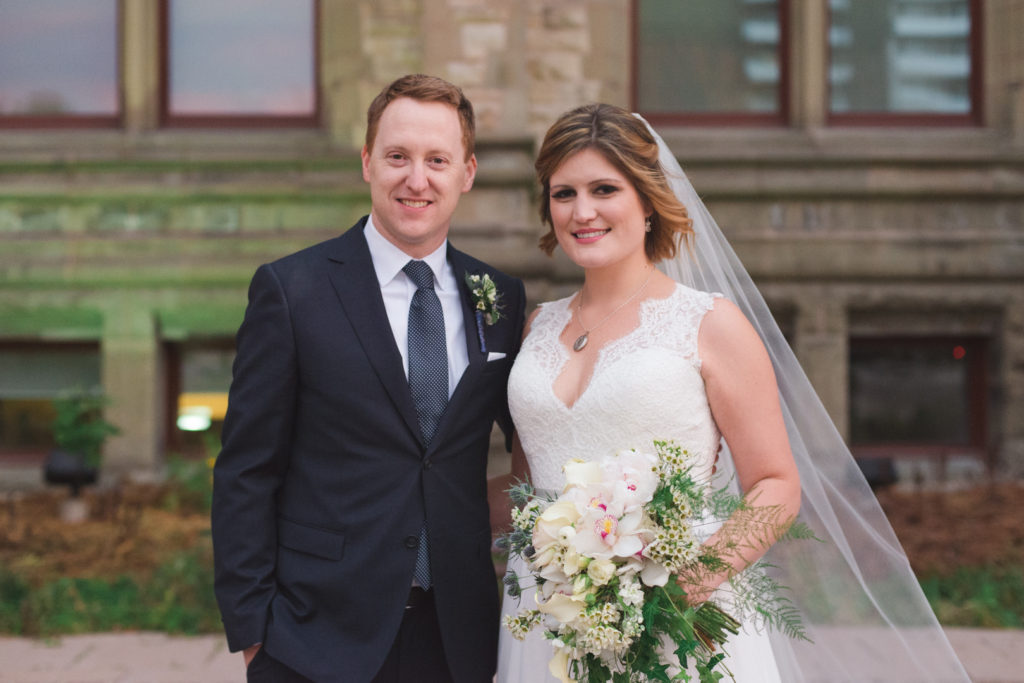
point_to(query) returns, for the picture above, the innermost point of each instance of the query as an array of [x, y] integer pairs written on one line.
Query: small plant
[[79, 427]]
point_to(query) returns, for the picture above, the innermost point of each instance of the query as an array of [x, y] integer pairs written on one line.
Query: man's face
[[417, 170]]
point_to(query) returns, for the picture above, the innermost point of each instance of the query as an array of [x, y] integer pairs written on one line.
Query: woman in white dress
[[636, 355]]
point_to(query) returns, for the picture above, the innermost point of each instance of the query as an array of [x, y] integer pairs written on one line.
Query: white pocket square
[[494, 355]]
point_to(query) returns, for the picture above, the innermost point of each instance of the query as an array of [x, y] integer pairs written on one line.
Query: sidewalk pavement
[[990, 656]]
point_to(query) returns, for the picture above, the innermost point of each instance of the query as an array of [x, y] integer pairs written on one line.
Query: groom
[[350, 517]]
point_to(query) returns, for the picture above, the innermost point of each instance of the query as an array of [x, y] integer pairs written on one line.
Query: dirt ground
[[130, 530], [942, 531]]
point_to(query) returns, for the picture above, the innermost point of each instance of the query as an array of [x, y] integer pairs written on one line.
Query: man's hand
[[250, 652]]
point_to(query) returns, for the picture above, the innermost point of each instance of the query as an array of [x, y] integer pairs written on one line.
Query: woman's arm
[[744, 400], [498, 485]]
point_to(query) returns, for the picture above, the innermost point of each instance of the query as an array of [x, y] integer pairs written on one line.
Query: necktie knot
[[420, 274]]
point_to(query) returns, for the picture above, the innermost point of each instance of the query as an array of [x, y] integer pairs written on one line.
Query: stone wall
[[144, 235]]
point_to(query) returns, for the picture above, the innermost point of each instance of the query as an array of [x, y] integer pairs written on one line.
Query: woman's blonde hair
[[625, 142]]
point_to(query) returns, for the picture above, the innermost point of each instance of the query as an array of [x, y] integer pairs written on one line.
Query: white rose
[[601, 571]]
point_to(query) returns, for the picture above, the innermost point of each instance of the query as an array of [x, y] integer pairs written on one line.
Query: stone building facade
[[136, 243]]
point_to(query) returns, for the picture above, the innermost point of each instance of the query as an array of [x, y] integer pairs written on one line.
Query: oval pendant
[[580, 342]]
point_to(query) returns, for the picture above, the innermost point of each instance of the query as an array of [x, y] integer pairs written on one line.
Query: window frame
[[974, 117], [85, 121], [168, 119], [978, 397], [779, 118]]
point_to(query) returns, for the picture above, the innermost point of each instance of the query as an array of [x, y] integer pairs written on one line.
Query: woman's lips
[[590, 235]]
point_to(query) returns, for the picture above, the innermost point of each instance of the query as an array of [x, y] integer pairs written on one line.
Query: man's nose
[[417, 178]]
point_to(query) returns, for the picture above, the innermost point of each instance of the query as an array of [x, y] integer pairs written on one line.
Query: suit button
[[411, 542], [427, 464]]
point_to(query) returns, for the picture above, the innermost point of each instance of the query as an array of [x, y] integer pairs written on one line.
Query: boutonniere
[[486, 308]]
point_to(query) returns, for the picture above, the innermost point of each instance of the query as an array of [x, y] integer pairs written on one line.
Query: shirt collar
[[388, 259]]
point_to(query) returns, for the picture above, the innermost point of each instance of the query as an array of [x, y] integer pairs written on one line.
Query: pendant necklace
[[581, 341]]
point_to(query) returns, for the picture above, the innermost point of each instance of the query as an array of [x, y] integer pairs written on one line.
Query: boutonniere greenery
[[486, 308]]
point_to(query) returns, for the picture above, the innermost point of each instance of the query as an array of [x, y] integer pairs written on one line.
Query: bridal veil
[[859, 600]]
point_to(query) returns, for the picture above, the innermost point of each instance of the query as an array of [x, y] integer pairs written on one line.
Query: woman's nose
[[583, 211]]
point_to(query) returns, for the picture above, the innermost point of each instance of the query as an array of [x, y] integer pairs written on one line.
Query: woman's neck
[[605, 288]]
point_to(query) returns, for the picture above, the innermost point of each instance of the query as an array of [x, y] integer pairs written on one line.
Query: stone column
[[132, 375], [1010, 461], [140, 65], [822, 346], [808, 68]]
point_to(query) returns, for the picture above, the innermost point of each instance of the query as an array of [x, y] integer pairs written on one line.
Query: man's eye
[[395, 156], [438, 161]]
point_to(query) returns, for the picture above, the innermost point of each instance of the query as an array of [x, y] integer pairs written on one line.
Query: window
[[918, 395], [710, 61], [31, 376], [909, 60], [59, 63], [200, 378], [240, 62]]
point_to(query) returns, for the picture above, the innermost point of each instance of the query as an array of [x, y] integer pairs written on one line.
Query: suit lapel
[[477, 358], [355, 283]]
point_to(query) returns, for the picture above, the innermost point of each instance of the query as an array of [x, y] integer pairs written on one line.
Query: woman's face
[[597, 214]]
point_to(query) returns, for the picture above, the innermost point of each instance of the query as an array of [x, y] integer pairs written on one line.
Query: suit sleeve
[[253, 460], [518, 315]]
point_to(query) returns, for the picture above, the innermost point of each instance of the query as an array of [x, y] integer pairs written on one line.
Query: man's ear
[[365, 155], [470, 173]]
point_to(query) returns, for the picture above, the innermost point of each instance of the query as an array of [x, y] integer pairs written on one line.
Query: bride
[[668, 339]]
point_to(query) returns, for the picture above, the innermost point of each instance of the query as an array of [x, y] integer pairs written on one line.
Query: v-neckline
[[565, 353]]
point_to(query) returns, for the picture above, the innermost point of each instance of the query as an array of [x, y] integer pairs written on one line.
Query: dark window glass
[[58, 58], [915, 392], [203, 399], [30, 378], [241, 58], [709, 57], [900, 56]]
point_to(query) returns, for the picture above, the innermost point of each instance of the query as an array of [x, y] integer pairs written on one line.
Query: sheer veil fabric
[[859, 600]]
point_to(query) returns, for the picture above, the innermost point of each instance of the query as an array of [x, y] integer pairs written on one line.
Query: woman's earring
[[647, 224]]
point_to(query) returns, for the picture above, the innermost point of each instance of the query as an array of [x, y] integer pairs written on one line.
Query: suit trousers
[[416, 656]]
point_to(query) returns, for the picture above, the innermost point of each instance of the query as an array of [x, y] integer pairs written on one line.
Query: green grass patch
[[980, 597], [176, 598]]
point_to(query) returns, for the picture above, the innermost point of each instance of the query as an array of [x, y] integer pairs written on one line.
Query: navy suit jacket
[[322, 484]]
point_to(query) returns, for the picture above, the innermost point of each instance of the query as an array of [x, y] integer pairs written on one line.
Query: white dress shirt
[[397, 290]]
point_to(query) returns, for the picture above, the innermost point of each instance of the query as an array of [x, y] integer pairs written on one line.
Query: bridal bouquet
[[606, 555]]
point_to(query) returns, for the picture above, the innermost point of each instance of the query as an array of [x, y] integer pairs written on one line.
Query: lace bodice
[[645, 386]]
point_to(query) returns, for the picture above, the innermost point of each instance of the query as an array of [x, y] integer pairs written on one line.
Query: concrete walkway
[[990, 657]]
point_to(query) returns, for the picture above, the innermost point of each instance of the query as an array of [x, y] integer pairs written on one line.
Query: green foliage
[[79, 426], [176, 598], [13, 591], [189, 484], [982, 597]]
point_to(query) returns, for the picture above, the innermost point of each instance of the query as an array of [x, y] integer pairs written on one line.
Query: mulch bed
[[945, 530], [131, 530]]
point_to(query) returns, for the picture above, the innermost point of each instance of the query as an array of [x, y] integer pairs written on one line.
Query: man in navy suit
[[331, 496]]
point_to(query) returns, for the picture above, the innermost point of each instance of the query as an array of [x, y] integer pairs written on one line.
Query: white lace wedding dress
[[645, 386]]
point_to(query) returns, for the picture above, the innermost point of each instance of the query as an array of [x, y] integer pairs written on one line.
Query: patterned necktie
[[428, 374]]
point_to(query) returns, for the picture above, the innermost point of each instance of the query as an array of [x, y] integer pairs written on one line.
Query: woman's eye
[[605, 189], [562, 194]]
